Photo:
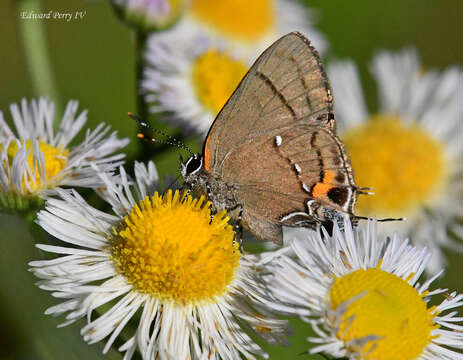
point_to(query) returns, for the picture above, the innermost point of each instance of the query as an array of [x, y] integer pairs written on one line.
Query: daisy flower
[[163, 264], [35, 160], [410, 151], [150, 14], [191, 78], [249, 26], [363, 299]]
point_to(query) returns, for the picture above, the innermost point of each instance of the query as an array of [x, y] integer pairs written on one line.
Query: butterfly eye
[[193, 164]]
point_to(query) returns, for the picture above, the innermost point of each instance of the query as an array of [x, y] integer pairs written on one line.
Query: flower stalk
[[34, 40]]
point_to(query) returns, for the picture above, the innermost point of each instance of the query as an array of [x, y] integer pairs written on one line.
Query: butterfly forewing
[[286, 85], [272, 151]]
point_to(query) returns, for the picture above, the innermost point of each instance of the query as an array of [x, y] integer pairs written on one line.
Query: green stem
[[34, 40], [39, 235], [140, 45], [142, 107]]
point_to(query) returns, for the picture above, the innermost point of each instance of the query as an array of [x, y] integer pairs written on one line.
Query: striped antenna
[[172, 141]]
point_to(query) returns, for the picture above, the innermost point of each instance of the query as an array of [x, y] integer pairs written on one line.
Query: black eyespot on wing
[[338, 195]]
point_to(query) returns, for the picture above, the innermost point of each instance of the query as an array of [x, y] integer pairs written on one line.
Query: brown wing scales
[[276, 180], [286, 85], [321, 164], [274, 142]]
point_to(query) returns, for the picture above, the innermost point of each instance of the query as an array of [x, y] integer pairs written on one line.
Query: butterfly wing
[[286, 85], [277, 178]]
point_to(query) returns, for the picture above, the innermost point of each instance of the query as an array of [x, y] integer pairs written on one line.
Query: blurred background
[[93, 60]]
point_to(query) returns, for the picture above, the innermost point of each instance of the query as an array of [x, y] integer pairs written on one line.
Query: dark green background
[[93, 61]]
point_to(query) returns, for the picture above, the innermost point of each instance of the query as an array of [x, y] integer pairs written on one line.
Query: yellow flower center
[[168, 246], [176, 7], [55, 162], [215, 76], [403, 164], [390, 308], [242, 19]]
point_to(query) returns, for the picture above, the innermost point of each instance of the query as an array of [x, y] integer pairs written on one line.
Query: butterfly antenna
[[379, 220], [365, 190], [172, 141]]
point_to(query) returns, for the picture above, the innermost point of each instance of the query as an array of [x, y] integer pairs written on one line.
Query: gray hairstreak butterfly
[[272, 157]]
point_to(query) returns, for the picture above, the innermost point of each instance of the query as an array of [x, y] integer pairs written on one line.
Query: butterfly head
[[191, 166]]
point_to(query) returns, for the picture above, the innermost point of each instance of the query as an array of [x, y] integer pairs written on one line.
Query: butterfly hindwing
[[322, 166], [279, 173]]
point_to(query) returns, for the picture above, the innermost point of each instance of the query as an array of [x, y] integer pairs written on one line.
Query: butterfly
[[271, 157]]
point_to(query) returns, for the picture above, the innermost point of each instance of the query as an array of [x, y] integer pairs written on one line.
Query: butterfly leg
[[238, 227], [188, 187], [208, 191], [210, 198], [334, 217], [239, 230], [326, 216]]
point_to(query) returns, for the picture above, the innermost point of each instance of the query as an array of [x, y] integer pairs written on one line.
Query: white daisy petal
[[150, 15], [193, 68], [5, 131], [356, 307], [347, 91], [147, 178], [37, 161], [18, 120], [410, 152], [169, 81], [395, 74], [197, 319], [250, 31]]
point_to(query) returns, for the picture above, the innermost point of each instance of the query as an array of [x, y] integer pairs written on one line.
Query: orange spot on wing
[[140, 136], [328, 177], [321, 189]]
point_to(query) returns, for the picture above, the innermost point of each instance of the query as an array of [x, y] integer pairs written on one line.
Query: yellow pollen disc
[[55, 162], [242, 19], [403, 164], [215, 76], [390, 308], [176, 7], [169, 247]]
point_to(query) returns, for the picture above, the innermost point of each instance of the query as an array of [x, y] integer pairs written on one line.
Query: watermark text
[[53, 14]]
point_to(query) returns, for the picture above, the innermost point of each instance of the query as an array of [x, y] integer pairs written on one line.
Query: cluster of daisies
[[164, 274]]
